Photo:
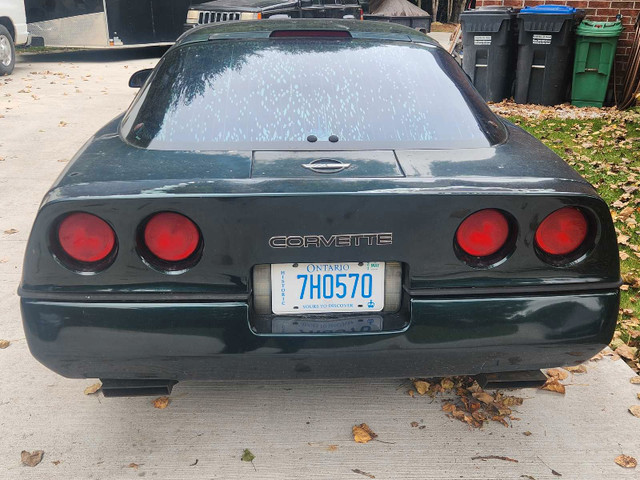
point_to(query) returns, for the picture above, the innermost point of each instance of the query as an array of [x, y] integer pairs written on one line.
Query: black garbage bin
[[488, 46], [546, 38]]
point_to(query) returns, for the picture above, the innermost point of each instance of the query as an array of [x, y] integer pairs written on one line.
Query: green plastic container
[[595, 50]]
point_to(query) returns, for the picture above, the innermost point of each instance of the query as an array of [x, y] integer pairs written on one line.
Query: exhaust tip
[[136, 388]]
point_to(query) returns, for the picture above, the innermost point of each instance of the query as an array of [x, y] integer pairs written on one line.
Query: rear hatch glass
[[299, 93]]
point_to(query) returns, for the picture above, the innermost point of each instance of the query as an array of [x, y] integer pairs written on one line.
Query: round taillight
[[171, 237], [562, 232], [85, 237], [483, 233]]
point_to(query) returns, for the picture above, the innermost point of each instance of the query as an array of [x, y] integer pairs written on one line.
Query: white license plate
[[348, 325], [304, 288]]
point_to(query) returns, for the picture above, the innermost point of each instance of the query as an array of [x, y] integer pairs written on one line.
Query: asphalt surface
[[297, 430]]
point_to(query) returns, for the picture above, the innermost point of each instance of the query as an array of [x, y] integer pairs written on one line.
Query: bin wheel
[[7, 52]]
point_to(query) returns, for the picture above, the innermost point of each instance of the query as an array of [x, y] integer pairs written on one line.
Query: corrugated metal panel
[[79, 31]]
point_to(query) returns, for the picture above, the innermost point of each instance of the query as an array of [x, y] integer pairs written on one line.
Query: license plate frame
[[327, 287]]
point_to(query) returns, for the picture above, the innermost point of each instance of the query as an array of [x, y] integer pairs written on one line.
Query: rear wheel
[[7, 52]]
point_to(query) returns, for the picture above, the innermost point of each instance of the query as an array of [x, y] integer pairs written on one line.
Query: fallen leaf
[[56, 462], [90, 390], [421, 386], [557, 373], [4, 344], [626, 212], [414, 424], [626, 351], [362, 433], [553, 385], [511, 401], [457, 413], [447, 383], [161, 402], [635, 410], [576, 369], [483, 397], [357, 470], [135, 466], [247, 456], [332, 448], [527, 433], [31, 459], [635, 380], [448, 407], [474, 387], [474, 406], [10, 231], [626, 461]]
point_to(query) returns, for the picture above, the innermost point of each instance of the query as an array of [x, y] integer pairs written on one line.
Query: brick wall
[[600, 10]]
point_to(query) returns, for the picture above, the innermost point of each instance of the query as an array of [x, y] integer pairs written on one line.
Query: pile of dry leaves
[[471, 404], [508, 108]]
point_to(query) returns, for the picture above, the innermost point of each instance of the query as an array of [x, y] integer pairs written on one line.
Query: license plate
[[347, 325], [305, 288]]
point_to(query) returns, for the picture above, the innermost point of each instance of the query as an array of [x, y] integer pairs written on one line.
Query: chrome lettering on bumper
[[339, 240]]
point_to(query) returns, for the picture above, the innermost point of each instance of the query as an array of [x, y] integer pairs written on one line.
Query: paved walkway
[[443, 38]]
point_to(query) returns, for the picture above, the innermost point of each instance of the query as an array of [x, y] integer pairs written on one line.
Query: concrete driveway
[[48, 109]]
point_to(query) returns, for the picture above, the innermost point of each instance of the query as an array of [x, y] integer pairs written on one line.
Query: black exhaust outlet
[[136, 388]]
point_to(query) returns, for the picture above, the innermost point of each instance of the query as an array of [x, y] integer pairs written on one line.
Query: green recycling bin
[[595, 50]]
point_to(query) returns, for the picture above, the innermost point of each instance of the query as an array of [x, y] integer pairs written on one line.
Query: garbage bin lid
[[491, 10], [499, 8], [588, 28], [549, 10]]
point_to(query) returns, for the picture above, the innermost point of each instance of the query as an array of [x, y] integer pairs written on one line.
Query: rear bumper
[[23, 37], [446, 336]]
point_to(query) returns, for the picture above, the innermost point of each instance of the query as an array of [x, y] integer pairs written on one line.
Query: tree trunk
[[434, 9], [458, 7]]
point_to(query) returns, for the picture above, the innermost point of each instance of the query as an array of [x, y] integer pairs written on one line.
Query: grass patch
[[31, 50]]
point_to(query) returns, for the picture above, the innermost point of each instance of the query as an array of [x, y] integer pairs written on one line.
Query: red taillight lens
[[562, 232], [85, 237], [483, 233], [171, 237]]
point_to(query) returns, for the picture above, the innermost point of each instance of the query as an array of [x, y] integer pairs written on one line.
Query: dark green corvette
[[314, 198]]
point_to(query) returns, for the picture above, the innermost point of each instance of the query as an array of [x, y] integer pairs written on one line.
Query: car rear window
[[284, 93]]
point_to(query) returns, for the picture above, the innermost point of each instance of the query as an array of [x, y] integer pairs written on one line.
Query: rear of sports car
[[318, 200]]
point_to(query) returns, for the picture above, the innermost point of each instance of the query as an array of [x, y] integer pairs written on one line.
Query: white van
[[13, 31]]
